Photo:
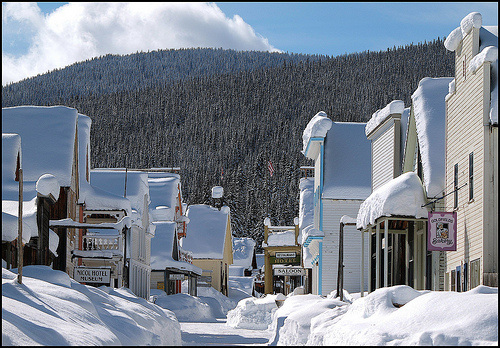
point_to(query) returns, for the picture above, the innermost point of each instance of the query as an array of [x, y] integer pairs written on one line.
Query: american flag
[[270, 167]]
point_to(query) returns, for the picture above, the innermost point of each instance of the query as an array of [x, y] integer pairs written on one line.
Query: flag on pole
[[222, 173], [270, 167]]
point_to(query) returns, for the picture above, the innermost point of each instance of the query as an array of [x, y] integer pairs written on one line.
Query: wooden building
[[472, 155], [49, 146], [209, 238], [341, 155], [283, 271]]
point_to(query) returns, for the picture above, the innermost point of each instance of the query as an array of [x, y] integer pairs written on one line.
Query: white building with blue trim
[[342, 181]]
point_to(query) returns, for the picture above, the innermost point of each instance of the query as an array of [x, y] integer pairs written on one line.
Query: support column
[[377, 256], [268, 274], [362, 263], [370, 252]]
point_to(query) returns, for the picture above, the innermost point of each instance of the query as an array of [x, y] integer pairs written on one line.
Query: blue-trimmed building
[[342, 181]]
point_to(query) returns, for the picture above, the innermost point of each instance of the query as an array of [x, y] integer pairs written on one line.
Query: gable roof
[[48, 139], [347, 169], [94, 197], [206, 231]]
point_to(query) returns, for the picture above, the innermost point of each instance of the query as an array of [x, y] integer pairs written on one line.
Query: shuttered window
[[455, 187], [471, 176]]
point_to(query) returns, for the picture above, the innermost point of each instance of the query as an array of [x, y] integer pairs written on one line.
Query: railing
[[102, 242]]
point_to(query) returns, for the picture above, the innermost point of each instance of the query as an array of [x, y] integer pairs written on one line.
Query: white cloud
[[79, 31]]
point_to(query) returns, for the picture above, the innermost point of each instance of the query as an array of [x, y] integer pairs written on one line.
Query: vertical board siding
[[334, 210], [465, 134]]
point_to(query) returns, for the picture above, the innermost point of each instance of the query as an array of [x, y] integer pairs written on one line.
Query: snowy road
[[218, 334]]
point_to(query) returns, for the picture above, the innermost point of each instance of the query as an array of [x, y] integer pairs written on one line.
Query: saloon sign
[[442, 231]]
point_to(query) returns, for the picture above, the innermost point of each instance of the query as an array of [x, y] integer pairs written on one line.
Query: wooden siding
[[383, 148], [333, 211], [468, 131]]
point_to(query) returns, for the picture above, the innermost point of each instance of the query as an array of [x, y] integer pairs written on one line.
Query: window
[[452, 283], [471, 176], [455, 187]]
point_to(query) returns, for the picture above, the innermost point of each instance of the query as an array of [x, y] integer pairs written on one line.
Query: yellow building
[[209, 238]]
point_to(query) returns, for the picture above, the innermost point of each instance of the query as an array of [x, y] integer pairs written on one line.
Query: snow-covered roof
[[306, 202], [280, 238], [488, 52], [11, 146], [347, 169], [379, 116], [429, 108], [206, 231], [243, 251], [94, 197], [113, 181], [402, 196], [48, 139], [162, 247], [163, 193], [318, 126]]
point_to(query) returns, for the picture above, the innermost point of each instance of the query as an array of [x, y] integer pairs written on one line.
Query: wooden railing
[[102, 242]]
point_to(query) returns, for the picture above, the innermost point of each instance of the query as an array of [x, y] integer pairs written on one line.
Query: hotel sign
[[92, 275], [442, 231]]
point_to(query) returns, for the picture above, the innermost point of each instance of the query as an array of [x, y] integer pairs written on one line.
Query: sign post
[[92, 275]]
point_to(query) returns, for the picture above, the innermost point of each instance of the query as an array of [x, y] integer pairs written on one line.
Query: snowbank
[[400, 315], [253, 313], [291, 322], [186, 307], [49, 308]]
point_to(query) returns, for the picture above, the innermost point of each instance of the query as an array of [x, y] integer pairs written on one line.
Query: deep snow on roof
[[162, 248], [48, 139], [318, 126], [163, 193], [206, 231], [113, 181], [488, 51], [430, 115], [243, 251], [347, 170], [402, 196]]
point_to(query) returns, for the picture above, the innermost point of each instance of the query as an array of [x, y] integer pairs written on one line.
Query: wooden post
[[20, 231], [362, 263], [340, 273], [370, 252], [386, 253], [377, 256], [268, 274]]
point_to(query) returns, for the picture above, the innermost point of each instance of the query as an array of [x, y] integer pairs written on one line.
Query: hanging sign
[[442, 231], [289, 271], [285, 255], [176, 276]]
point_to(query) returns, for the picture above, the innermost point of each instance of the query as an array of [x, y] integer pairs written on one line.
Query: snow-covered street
[[219, 334]]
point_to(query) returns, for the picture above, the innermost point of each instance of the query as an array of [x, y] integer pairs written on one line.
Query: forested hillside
[[234, 121]]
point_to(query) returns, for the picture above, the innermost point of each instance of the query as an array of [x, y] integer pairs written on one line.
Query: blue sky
[[36, 39]]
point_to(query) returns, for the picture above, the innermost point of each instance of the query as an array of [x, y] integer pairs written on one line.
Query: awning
[[402, 196]]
